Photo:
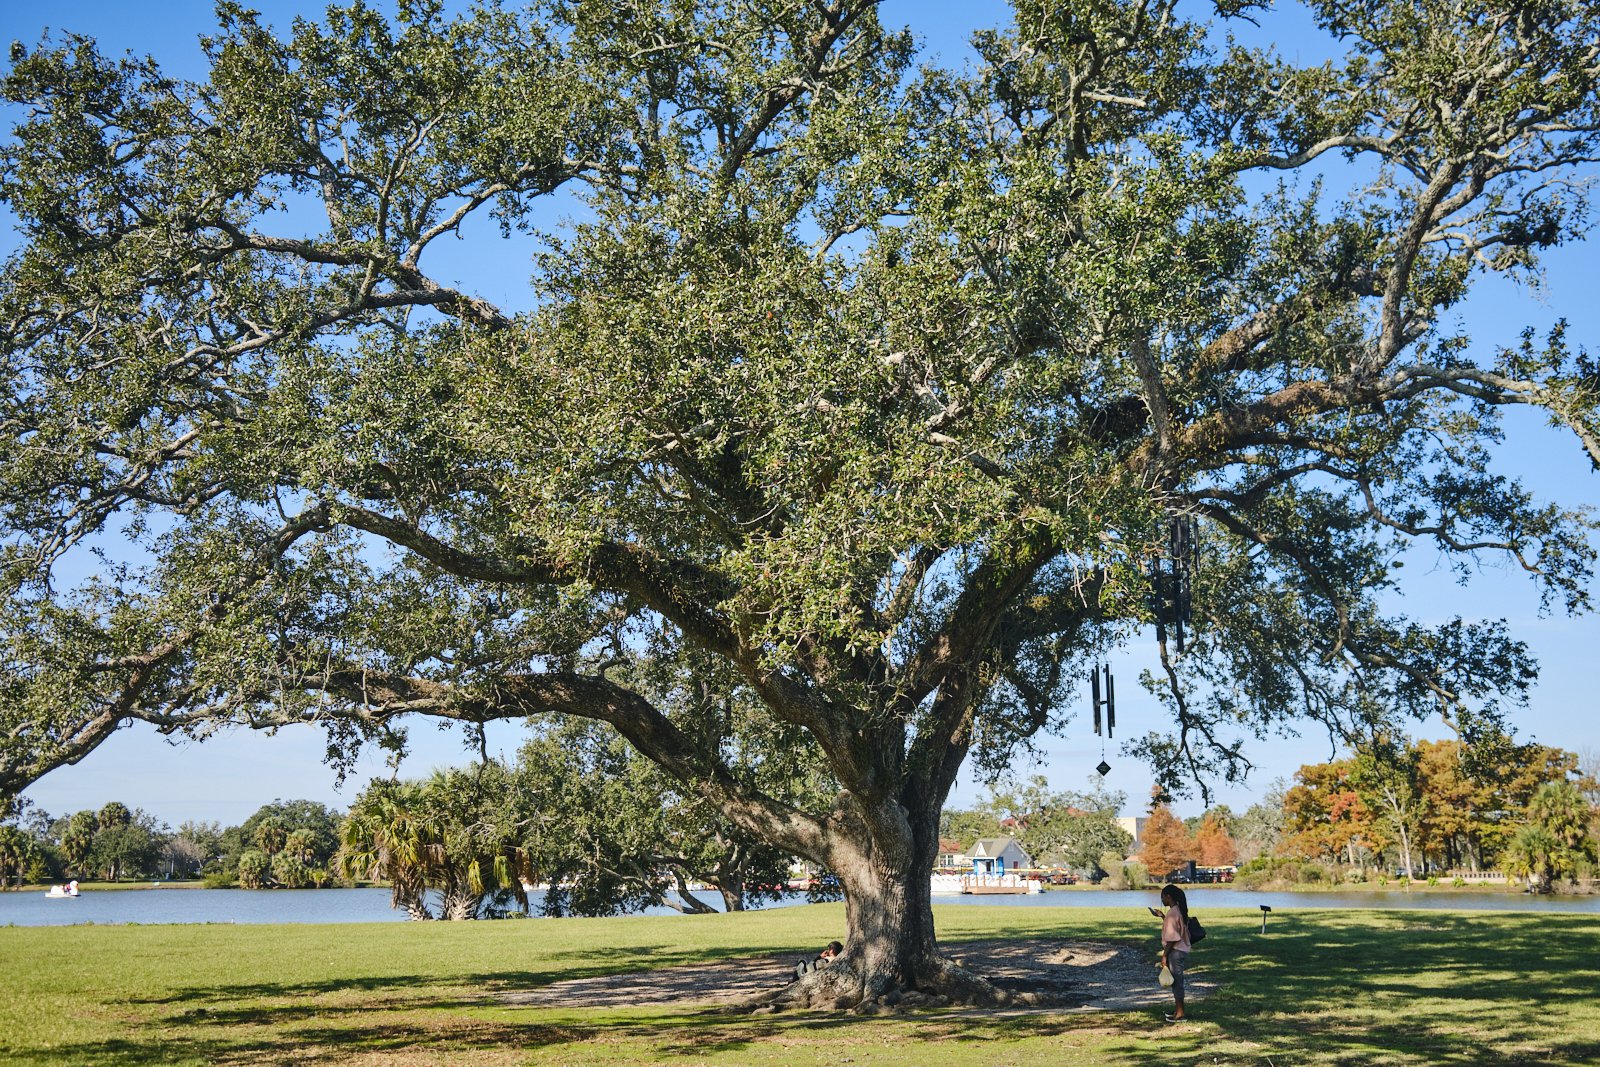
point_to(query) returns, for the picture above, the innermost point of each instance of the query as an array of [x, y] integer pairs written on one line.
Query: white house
[[950, 854], [997, 855], [1135, 827]]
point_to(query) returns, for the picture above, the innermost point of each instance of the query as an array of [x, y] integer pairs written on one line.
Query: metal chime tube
[[1111, 702], [1094, 695]]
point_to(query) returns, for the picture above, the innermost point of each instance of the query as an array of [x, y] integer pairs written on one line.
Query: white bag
[[1166, 977]]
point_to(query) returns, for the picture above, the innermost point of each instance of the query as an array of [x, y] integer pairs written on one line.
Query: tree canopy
[[608, 831], [864, 392], [112, 843], [1214, 844]]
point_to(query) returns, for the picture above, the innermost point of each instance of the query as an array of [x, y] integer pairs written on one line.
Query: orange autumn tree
[[1470, 811], [1325, 816], [1462, 814], [1166, 844], [1214, 845]]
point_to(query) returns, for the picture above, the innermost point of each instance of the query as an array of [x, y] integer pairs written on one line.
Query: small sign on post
[[1264, 911]]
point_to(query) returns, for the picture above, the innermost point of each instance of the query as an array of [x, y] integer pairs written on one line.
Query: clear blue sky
[[227, 778]]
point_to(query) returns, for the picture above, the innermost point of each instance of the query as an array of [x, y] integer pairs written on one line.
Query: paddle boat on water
[[58, 892]]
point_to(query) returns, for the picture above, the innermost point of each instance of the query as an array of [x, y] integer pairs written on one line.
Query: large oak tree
[[862, 392]]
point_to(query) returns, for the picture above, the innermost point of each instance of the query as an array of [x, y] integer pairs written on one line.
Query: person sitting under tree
[[825, 957]]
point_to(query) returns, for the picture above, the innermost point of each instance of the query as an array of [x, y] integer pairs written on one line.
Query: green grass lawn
[[1321, 987]]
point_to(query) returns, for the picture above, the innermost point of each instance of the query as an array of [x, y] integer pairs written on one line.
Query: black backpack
[[1197, 933]]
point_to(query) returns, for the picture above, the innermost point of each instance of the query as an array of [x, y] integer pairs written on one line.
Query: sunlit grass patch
[[1321, 987]]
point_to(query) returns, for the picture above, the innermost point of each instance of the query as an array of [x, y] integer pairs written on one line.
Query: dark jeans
[[1175, 962]]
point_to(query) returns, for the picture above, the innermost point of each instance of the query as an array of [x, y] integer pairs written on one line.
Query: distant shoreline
[[89, 887]]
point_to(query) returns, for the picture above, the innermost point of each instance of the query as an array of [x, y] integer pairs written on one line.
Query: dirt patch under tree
[[1064, 975]]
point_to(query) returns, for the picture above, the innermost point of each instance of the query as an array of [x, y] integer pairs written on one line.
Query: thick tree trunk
[[729, 877], [732, 896], [888, 925], [891, 954]]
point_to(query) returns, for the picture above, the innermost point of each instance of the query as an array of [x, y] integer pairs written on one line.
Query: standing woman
[[1175, 943]]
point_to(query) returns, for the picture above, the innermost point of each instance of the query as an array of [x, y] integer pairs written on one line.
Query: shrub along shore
[[1321, 987]]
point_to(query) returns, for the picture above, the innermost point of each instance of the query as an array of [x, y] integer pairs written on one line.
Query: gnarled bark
[[891, 955]]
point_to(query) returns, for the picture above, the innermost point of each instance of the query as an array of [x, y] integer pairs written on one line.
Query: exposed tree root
[[938, 982]]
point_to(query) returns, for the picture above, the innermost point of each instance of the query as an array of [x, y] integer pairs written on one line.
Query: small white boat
[[62, 892]]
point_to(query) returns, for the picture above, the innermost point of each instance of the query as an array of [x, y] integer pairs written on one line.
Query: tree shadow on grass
[[566, 966], [703, 1034], [312, 1044], [443, 1026], [335, 1037], [1320, 987], [269, 1019], [1432, 987]]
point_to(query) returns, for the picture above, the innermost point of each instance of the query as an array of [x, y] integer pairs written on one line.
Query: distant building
[[1134, 824], [951, 854], [997, 855]]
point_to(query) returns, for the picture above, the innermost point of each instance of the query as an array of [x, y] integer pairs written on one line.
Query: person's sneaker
[[1171, 1018]]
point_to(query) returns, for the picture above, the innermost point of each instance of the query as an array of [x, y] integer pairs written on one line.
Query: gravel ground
[[1076, 975]]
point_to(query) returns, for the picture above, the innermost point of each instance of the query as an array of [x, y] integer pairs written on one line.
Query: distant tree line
[[603, 831], [1392, 808], [578, 813], [1079, 832], [285, 843], [1417, 808]]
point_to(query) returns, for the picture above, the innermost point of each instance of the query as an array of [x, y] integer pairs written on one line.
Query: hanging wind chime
[[1172, 581], [1108, 704], [1171, 575]]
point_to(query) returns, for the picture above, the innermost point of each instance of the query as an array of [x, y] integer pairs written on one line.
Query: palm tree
[[1555, 840], [115, 813], [271, 835], [481, 853], [442, 834], [387, 837], [255, 868], [77, 840], [16, 848], [301, 844]]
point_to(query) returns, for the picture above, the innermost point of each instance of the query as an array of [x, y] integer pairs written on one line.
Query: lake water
[[33, 908], [182, 905]]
